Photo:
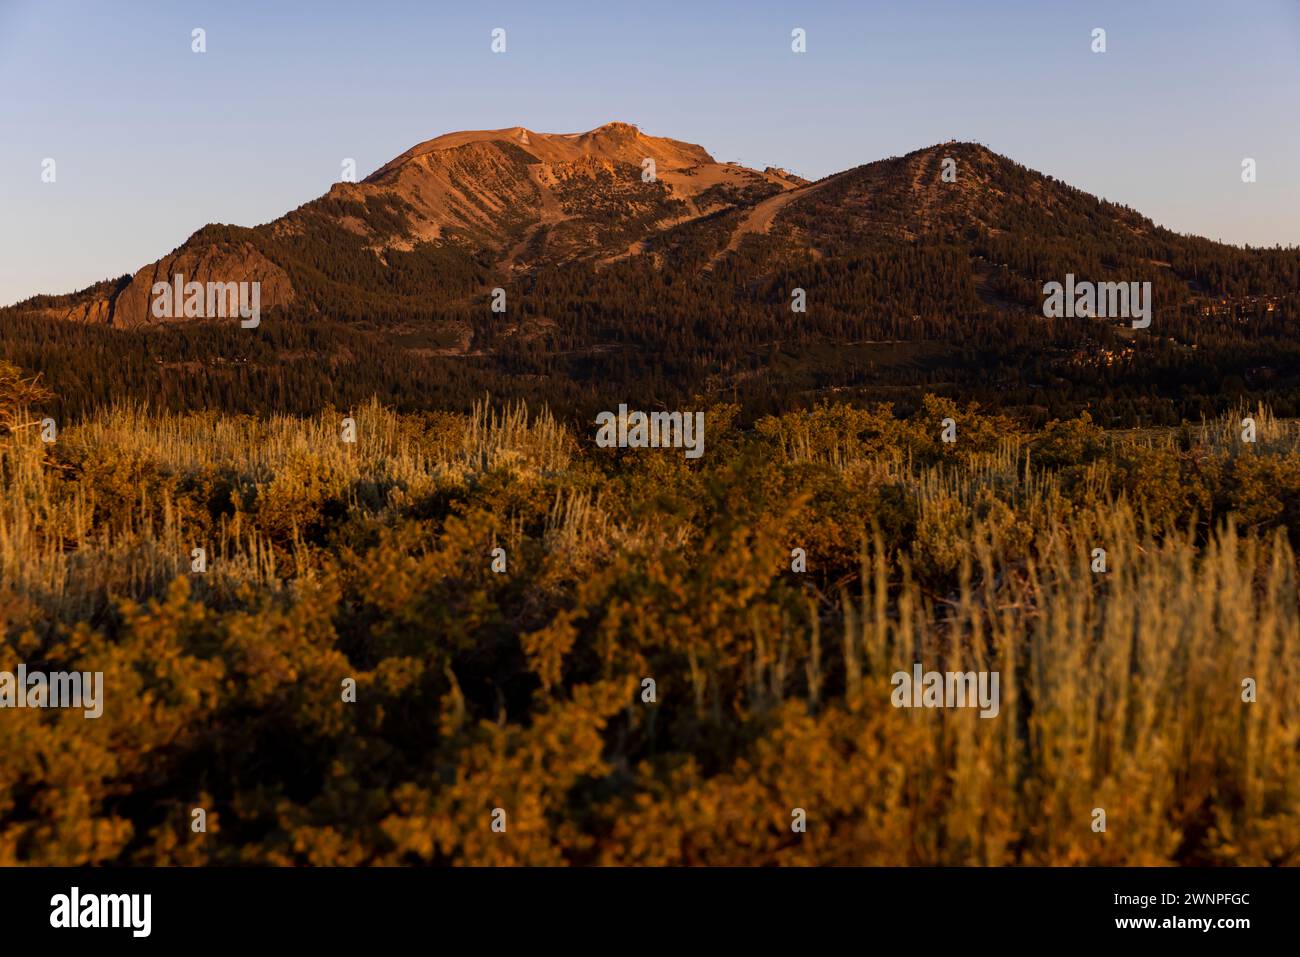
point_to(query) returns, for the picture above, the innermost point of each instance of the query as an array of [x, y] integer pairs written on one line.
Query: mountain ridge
[[491, 190], [463, 212]]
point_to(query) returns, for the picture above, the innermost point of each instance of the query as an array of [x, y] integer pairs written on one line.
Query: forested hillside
[[617, 288]]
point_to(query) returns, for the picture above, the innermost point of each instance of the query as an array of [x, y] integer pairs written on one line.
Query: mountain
[[509, 199], [455, 215], [634, 262]]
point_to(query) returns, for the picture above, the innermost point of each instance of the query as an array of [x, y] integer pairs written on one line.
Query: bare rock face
[[93, 311], [93, 305], [221, 263]]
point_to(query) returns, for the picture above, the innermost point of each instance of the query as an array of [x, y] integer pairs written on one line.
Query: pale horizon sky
[[152, 141]]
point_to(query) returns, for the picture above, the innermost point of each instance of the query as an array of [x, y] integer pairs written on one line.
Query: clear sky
[[151, 140]]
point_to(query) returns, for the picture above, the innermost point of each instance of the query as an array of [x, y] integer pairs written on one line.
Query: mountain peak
[[614, 141], [615, 128]]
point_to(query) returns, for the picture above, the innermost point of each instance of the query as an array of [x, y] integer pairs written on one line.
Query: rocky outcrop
[[222, 263]]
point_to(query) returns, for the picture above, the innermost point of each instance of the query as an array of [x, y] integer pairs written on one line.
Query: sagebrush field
[[522, 688]]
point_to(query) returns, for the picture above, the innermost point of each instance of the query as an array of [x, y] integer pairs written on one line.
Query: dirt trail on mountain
[[639, 246], [760, 218], [926, 184]]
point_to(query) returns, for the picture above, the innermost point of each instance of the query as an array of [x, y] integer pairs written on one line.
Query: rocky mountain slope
[[506, 199], [464, 212]]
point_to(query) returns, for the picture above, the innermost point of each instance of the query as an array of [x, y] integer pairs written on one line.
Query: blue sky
[[151, 140]]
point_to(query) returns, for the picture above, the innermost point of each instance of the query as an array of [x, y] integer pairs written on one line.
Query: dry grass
[[1120, 691]]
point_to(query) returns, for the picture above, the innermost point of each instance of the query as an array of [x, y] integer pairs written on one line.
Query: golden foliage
[[522, 691]]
